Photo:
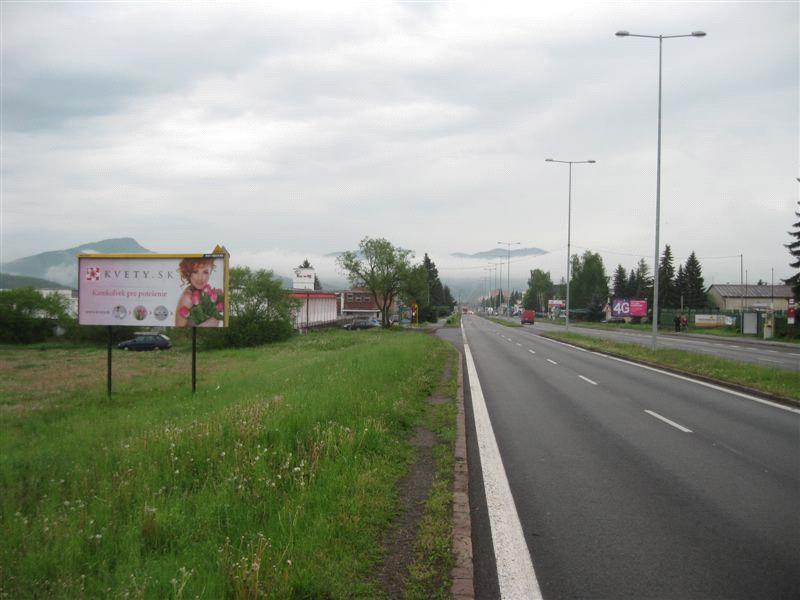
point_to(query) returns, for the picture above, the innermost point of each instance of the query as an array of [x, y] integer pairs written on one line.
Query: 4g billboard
[[162, 290], [628, 307]]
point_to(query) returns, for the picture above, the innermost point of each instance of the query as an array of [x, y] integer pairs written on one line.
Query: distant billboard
[[556, 304], [628, 307], [161, 290]]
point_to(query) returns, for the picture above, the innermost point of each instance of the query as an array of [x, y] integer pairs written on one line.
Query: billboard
[[159, 290], [628, 307]]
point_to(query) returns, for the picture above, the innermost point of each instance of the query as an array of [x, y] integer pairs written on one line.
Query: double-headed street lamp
[[569, 215], [509, 244], [660, 39]]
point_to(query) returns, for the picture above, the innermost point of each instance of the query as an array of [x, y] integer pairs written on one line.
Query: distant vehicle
[[363, 324], [528, 316], [146, 341]]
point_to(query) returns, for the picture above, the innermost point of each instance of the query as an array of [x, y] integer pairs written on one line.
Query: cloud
[[303, 128]]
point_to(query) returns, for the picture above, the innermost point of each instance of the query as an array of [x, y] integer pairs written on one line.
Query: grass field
[[760, 379], [276, 480]]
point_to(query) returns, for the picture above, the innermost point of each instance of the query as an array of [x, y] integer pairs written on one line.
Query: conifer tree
[[794, 250], [695, 296], [630, 287], [620, 282], [680, 286], [644, 282], [666, 279]]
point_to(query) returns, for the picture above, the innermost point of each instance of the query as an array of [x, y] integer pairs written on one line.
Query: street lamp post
[[509, 244], [498, 269], [569, 216], [660, 39]]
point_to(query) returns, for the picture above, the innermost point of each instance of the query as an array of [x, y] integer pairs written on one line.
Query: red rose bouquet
[[208, 303]]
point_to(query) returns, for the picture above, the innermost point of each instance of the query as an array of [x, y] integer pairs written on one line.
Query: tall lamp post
[[498, 269], [569, 215], [660, 39], [509, 244]]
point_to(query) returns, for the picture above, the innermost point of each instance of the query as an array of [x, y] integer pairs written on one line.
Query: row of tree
[[388, 273], [684, 288], [589, 284]]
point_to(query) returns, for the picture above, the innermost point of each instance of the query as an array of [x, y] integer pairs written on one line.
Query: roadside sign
[[628, 307], [790, 312]]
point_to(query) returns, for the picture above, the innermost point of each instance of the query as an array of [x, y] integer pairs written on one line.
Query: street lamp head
[[548, 160], [622, 33], [591, 161], [699, 34]]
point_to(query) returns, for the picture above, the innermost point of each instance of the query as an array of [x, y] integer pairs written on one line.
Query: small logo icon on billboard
[[93, 274]]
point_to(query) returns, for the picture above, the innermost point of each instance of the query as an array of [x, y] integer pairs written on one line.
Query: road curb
[[791, 402], [463, 587]]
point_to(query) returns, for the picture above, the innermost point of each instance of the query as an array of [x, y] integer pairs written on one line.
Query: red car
[[528, 316]]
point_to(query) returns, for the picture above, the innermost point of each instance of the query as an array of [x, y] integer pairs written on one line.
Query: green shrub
[[27, 316]]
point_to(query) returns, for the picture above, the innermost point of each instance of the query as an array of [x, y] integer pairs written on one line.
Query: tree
[[695, 296], [380, 267], [26, 315], [261, 311], [540, 290], [794, 250], [631, 286], [666, 279], [620, 282], [589, 287], [681, 291], [643, 282]]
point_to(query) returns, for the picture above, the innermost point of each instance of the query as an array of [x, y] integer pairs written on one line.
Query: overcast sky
[[292, 130]]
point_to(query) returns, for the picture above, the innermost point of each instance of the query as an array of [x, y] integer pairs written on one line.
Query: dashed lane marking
[[586, 379], [668, 422]]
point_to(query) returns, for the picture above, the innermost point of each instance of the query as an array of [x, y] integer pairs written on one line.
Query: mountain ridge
[[500, 253]]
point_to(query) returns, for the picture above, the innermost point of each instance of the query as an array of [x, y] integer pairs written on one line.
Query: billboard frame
[[217, 253]]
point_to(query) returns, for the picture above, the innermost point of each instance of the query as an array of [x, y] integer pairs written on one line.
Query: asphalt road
[[630, 483], [785, 356]]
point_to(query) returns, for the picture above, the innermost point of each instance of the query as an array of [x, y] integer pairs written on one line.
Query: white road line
[[518, 344], [552, 361], [531, 351], [515, 575], [587, 380], [668, 422], [768, 360], [684, 378]]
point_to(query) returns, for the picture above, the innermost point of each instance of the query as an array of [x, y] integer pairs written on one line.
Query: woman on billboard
[[200, 304]]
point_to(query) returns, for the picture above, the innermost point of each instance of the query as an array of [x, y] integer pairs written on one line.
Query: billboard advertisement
[[157, 290], [628, 307]]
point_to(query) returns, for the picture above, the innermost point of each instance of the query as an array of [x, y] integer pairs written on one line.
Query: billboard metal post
[[108, 377], [194, 359]]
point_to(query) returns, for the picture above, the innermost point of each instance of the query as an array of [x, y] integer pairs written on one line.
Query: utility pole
[[741, 287]]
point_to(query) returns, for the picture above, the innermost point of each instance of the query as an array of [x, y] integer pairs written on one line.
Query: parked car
[[528, 316], [146, 341], [363, 324]]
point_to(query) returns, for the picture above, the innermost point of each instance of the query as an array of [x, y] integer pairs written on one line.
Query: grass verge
[[778, 382], [276, 480], [429, 574], [505, 322], [647, 327]]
